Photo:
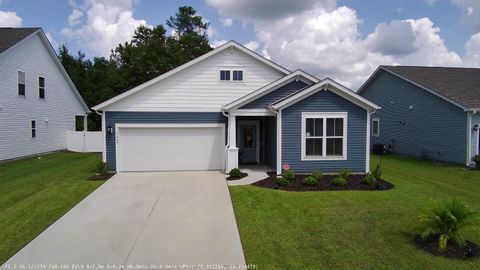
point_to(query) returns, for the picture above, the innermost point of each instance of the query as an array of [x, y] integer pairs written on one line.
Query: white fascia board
[[223, 47], [327, 84], [252, 112], [298, 74]]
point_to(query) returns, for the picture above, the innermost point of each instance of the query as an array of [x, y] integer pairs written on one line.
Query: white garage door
[[170, 147]]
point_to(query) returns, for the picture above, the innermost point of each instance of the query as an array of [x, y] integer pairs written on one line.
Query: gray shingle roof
[[461, 85], [11, 36]]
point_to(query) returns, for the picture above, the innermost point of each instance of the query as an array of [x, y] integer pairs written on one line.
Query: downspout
[[278, 155]]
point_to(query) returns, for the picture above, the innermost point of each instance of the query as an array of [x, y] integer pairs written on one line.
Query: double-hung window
[[224, 75], [41, 87], [324, 136], [21, 82], [34, 129]]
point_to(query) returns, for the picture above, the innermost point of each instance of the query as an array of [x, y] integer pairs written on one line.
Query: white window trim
[[376, 119], [44, 86], [24, 83], [324, 115], [231, 69]]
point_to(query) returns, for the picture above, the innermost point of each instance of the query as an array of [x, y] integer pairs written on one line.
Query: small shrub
[[235, 172], [339, 181], [317, 175], [476, 159], [281, 181], [344, 173], [377, 173], [310, 181], [370, 180], [447, 222], [102, 167], [288, 174]]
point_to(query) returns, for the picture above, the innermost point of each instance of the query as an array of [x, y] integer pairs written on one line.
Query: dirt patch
[[469, 251], [355, 182], [242, 175], [100, 177]]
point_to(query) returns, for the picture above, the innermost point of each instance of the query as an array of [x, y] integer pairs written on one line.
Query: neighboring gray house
[[38, 101], [430, 112], [230, 107]]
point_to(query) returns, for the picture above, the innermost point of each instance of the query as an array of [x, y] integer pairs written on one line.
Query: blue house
[[231, 107], [429, 112]]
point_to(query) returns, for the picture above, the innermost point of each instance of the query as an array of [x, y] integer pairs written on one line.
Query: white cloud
[[328, 43], [218, 43], [75, 17], [10, 19], [472, 12], [226, 22], [106, 24], [472, 57], [252, 45]]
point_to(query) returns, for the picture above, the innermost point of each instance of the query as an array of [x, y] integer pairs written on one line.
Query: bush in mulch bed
[[354, 182], [469, 250], [105, 176], [236, 174]]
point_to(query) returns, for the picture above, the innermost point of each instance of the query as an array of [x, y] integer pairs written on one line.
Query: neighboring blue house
[[231, 107], [430, 112]]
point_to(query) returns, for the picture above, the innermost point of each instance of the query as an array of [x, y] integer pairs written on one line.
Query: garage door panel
[[163, 149]]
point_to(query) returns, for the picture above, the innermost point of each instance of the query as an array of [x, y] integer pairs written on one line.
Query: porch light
[[476, 127], [109, 130]]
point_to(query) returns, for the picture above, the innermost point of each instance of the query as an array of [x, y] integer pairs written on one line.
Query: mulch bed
[[242, 175], [99, 177], [355, 182], [469, 251]]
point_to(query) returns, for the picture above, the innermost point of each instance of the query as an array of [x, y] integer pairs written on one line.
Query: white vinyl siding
[[198, 88], [324, 136], [54, 116]]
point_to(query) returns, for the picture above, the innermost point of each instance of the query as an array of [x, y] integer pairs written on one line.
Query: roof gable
[[324, 85], [293, 76], [18, 35], [229, 45], [9, 36], [459, 86]]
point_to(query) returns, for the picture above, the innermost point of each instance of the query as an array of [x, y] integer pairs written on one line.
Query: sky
[[345, 40]]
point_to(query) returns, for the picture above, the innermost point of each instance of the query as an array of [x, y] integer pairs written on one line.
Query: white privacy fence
[[79, 141]]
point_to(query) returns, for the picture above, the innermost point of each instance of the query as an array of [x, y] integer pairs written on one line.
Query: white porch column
[[232, 150]]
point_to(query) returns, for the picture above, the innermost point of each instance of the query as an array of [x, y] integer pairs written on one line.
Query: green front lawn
[[353, 229], [35, 192]]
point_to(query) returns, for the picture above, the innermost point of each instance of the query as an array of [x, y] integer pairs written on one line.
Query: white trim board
[[326, 84], [296, 75], [231, 44]]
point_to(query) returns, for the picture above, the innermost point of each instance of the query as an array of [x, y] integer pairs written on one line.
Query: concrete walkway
[[154, 219], [255, 173]]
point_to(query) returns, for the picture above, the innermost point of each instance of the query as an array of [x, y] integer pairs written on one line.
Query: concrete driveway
[[151, 219]]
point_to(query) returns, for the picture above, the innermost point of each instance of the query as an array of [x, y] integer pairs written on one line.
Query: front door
[[248, 152]]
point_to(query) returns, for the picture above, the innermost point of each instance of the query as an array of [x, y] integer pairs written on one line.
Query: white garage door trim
[[120, 126]]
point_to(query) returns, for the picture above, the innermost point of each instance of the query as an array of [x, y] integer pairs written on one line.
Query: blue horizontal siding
[[434, 128], [277, 94], [324, 101], [112, 118]]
